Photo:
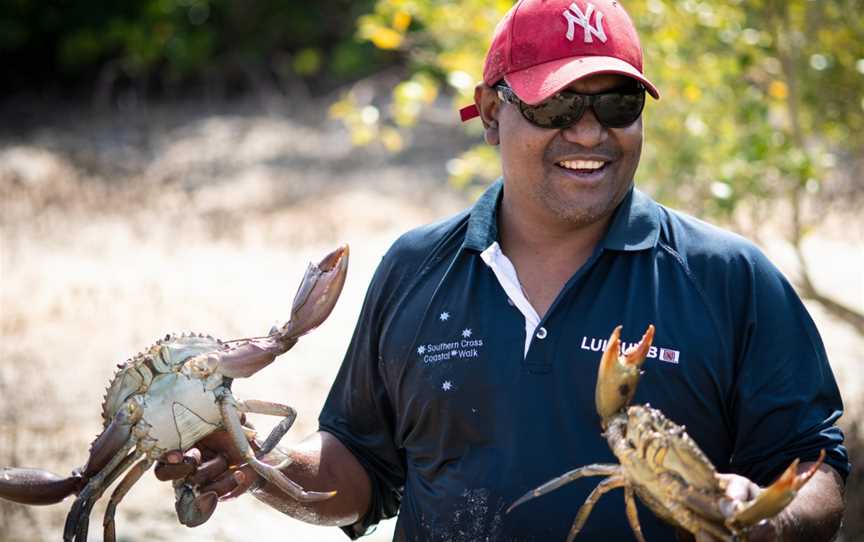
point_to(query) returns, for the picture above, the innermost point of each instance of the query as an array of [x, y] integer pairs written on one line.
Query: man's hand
[[320, 461], [741, 490], [213, 468]]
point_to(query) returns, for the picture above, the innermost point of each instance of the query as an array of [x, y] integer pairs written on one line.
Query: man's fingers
[[209, 470], [738, 490], [245, 478], [192, 457], [219, 443], [172, 470], [172, 457], [222, 485], [175, 465]]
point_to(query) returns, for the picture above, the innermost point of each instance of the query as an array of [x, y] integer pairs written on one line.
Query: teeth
[[581, 164]]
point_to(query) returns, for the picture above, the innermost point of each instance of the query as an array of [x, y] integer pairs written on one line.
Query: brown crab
[[171, 396], [661, 463]]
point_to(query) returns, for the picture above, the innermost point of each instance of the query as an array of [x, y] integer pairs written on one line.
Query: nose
[[586, 132]]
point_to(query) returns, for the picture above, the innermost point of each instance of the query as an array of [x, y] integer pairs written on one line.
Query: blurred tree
[[761, 121], [90, 44]]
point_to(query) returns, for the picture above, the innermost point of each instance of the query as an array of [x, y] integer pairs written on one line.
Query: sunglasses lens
[[613, 109], [617, 110], [560, 111]]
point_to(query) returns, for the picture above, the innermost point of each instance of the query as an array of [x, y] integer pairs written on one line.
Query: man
[[470, 377]]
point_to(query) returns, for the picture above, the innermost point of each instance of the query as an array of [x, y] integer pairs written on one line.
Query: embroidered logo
[[575, 16], [670, 356], [466, 347], [667, 355]]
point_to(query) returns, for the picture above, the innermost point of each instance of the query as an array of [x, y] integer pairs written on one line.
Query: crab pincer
[[313, 302], [619, 373], [775, 497]]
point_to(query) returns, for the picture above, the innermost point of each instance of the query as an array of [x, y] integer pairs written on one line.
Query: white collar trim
[[505, 272]]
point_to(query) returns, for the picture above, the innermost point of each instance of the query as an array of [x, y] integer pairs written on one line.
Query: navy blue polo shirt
[[454, 420]]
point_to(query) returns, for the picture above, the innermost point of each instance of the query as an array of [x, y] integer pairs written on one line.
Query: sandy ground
[[118, 230]]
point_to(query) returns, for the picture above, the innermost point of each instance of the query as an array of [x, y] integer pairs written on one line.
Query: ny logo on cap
[[575, 16]]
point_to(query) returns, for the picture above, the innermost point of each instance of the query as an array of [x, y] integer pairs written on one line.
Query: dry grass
[[115, 231]]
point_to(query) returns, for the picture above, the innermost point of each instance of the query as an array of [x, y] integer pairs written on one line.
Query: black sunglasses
[[617, 108]]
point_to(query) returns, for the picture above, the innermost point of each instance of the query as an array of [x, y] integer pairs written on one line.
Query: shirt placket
[[534, 354]]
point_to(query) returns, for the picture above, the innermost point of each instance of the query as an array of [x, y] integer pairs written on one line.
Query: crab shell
[[667, 469], [177, 399]]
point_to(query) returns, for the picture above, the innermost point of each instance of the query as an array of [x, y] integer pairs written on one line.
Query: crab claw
[[317, 294], [313, 303], [34, 486], [774, 498], [619, 374], [193, 510]]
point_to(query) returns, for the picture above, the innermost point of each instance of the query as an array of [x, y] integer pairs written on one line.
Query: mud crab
[[172, 395], [661, 464]]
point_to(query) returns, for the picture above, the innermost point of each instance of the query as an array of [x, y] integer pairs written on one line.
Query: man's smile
[[582, 165], [587, 169]]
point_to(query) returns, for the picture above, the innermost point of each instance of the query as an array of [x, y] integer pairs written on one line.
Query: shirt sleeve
[[359, 413], [785, 402]]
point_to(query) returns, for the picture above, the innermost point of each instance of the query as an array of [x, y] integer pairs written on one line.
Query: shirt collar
[[635, 224], [483, 222]]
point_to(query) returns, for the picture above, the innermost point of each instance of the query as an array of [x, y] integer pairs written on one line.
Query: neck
[[545, 253], [548, 240]]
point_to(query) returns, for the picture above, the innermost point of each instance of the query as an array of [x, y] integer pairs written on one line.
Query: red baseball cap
[[541, 46]]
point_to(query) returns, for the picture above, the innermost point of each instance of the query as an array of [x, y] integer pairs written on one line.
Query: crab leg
[[597, 469], [696, 512], [107, 459], [775, 497], [632, 515], [78, 519], [112, 439], [122, 489], [231, 419], [270, 409], [35, 486], [602, 488]]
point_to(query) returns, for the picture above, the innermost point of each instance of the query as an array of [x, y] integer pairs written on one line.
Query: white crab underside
[[180, 411]]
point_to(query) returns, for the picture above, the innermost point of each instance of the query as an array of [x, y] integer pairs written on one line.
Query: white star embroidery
[[421, 349], [466, 333], [444, 316], [447, 385]]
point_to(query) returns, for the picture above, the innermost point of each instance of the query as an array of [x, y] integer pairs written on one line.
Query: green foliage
[[761, 99], [60, 42]]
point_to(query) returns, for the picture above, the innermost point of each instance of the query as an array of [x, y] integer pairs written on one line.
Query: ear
[[486, 99]]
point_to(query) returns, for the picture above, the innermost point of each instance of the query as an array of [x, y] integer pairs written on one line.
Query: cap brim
[[537, 83]]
